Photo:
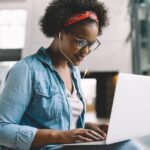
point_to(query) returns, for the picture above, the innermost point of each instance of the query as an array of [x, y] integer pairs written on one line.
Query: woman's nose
[[86, 50]]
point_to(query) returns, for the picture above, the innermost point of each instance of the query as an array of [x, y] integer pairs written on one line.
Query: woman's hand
[[78, 135], [101, 129]]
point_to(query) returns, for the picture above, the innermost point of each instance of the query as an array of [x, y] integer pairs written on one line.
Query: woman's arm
[[14, 101], [45, 136]]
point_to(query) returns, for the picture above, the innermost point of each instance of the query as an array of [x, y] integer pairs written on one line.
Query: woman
[[42, 103]]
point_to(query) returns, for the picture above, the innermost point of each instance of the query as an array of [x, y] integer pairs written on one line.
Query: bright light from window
[[89, 90], [12, 28]]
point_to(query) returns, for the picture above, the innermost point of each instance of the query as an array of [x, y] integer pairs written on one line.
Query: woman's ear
[[59, 36]]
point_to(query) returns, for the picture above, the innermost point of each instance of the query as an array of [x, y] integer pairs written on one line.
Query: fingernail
[[103, 138]]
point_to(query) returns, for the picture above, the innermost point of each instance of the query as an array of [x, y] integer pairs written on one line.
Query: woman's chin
[[77, 63]]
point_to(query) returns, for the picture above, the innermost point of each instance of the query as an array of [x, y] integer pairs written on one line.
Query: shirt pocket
[[48, 104]]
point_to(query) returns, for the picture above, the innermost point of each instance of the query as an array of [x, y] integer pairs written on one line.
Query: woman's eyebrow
[[79, 36], [83, 39], [89, 42]]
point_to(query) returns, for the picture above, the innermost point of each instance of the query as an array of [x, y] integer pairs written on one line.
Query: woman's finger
[[81, 138], [101, 132], [104, 127], [93, 135], [99, 136]]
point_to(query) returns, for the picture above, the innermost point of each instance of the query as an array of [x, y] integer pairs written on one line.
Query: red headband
[[81, 16]]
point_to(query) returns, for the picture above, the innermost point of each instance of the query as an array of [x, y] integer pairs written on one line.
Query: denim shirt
[[35, 98]]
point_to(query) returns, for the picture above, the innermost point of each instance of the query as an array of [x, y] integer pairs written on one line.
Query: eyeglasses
[[81, 43]]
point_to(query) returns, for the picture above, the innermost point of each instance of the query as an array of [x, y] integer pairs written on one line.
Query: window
[[89, 90], [98, 89], [12, 33]]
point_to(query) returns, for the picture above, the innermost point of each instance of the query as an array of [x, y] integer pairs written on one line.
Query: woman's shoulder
[[28, 64], [24, 63], [32, 62]]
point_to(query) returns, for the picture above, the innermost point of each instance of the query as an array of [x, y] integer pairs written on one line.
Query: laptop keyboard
[[86, 143]]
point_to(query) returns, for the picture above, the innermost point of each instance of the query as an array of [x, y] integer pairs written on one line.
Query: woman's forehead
[[86, 31]]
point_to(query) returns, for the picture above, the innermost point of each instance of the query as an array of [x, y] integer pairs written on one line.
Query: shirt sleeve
[[14, 101]]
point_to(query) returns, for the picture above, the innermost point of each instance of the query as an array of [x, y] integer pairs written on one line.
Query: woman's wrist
[[55, 136], [46, 136]]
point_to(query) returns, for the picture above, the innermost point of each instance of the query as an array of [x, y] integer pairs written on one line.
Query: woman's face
[[76, 43]]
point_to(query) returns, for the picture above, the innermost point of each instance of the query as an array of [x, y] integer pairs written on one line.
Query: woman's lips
[[80, 57]]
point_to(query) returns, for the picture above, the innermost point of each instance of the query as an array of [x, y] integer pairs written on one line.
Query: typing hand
[[101, 129], [78, 135]]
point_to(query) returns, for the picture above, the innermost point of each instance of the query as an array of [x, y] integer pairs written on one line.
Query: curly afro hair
[[59, 11]]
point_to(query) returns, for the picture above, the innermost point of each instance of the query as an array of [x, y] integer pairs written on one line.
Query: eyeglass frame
[[89, 44]]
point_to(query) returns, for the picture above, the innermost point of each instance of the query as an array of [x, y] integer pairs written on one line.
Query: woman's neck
[[58, 59], [60, 63]]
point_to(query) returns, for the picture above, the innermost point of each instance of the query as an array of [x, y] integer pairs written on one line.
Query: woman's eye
[[80, 43]]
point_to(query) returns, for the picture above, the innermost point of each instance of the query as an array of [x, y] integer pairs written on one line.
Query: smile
[[79, 58]]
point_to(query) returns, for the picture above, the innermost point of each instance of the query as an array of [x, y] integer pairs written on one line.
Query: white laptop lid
[[130, 116]]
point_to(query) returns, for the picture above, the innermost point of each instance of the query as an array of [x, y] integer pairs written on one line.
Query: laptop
[[130, 115]]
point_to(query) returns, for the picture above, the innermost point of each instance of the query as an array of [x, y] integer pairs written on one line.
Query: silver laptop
[[130, 116]]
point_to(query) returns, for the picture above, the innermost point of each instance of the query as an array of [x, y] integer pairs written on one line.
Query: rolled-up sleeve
[[14, 101]]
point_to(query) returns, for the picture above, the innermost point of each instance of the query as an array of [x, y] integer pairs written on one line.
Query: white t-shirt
[[76, 105]]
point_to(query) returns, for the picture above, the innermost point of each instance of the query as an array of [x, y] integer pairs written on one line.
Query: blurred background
[[125, 48]]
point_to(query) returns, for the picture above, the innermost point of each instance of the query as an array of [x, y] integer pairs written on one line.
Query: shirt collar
[[44, 57]]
